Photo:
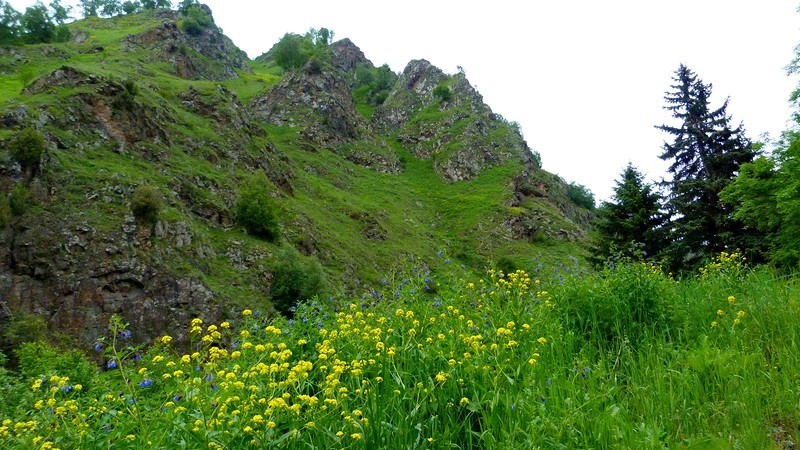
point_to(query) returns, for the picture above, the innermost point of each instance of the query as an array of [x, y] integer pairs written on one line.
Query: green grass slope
[[117, 113]]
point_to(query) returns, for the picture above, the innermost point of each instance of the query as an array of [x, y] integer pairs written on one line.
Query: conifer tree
[[705, 154], [632, 222]]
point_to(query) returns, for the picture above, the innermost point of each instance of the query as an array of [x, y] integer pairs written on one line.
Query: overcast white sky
[[584, 78]]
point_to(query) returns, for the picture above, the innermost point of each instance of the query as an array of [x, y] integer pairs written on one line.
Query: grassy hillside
[[130, 102]]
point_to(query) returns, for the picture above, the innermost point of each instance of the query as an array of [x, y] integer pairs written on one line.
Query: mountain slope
[[136, 100]]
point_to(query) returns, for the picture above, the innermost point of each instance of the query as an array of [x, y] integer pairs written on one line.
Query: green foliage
[[146, 203], [23, 328], [625, 301], [90, 8], [9, 24], [185, 5], [705, 156], [320, 38], [764, 198], [60, 13], [18, 200], [632, 223], [38, 359], [126, 100], [442, 93], [294, 278], [292, 51], [27, 148], [37, 27], [130, 7], [5, 212], [110, 8], [155, 4], [505, 264], [257, 211], [580, 195], [493, 358], [376, 82], [196, 20]]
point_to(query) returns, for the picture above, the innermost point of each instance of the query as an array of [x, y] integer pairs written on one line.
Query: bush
[[294, 278], [5, 213], [255, 210], [620, 302], [292, 51], [146, 203], [27, 148], [196, 20], [506, 264], [37, 359], [442, 93], [580, 195], [18, 200]]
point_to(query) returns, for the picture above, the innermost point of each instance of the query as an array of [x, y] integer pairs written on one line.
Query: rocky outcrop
[[223, 108], [77, 277], [346, 56], [205, 55], [101, 107], [460, 134], [317, 99], [412, 93]]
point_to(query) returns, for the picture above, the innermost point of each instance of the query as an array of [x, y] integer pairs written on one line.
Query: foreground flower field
[[623, 358]]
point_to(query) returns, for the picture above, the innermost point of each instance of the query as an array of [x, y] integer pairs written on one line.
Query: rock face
[[346, 56], [77, 277], [317, 99], [333, 118], [208, 55], [102, 107], [461, 135]]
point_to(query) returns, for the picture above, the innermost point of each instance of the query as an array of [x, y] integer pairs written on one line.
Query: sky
[[585, 79]]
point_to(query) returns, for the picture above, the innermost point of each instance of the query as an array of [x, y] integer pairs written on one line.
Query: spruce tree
[[632, 222], [705, 154]]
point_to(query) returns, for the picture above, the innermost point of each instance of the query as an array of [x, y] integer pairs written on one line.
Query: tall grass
[[623, 358]]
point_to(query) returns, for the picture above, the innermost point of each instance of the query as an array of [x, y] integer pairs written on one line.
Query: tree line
[[724, 194], [42, 23]]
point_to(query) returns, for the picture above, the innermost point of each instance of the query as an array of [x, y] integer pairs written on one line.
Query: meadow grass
[[446, 360]]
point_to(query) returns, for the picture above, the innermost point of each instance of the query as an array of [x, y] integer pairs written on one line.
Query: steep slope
[[137, 100]]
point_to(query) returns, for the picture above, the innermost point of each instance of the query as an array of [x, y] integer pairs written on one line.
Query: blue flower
[[124, 334], [147, 382], [447, 261], [112, 364], [98, 347], [66, 388]]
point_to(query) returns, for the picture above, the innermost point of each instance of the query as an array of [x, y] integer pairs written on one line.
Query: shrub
[[506, 264], [37, 359], [292, 51], [146, 203], [620, 302], [442, 93], [5, 213], [580, 195], [294, 278], [27, 148], [18, 200], [255, 210], [196, 20]]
